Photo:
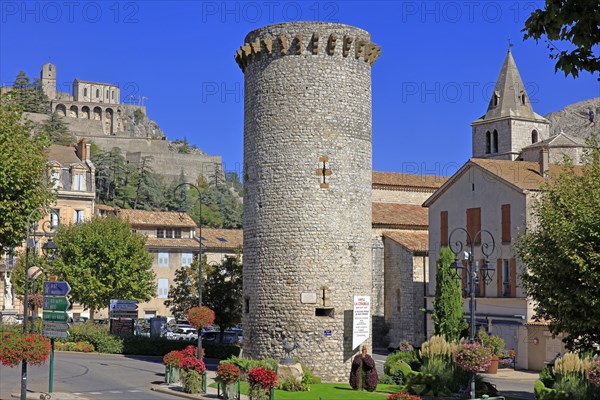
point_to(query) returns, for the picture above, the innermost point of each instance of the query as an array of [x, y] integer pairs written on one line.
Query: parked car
[[182, 334], [229, 337]]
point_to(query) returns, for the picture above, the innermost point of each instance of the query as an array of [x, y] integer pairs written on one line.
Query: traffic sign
[[124, 314], [57, 303], [56, 288], [113, 301], [55, 316], [55, 334], [124, 306], [55, 326]]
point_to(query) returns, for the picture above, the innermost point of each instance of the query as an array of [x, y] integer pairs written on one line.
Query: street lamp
[[30, 243], [181, 214], [474, 271]]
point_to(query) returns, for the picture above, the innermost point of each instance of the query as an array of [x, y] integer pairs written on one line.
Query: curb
[[48, 396]]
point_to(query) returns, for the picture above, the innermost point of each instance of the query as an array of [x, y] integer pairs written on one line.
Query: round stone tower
[[307, 190]]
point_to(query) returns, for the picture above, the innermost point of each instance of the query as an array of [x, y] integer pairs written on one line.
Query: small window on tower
[[97, 92], [534, 136], [523, 99], [496, 98], [85, 91]]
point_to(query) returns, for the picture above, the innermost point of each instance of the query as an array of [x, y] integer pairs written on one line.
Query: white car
[[183, 334]]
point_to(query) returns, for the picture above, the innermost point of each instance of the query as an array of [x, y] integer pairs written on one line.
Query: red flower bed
[[173, 358], [201, 317], [14, 348], [192, 363], [402, 396], [228, 373], [265, 378]]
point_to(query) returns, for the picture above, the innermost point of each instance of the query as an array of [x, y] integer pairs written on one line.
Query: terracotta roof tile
[[413, 241], [400, 215], [407, 180], [65, 155], [156, 218], [522, 174], [172, 243], [231, 239]]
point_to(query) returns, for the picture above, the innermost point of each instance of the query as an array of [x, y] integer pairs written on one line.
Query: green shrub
[[543, 393], [309, 377], [192, 381], [386, 380], [290, 385], [573, 384], [392, 367], [547, 376], [442, 370], [98, 335]]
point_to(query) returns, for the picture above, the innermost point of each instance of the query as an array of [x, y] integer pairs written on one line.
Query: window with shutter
[[163, 288], [474, 224], [186, 259], [163, 259], [499, 287], [506, 234], [444, 228]]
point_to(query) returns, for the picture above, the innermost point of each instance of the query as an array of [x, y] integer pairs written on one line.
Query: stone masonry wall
[[307, 190]]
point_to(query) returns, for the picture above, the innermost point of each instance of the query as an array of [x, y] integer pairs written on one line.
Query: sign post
[[55, 318], [122, 313], [361, 321]]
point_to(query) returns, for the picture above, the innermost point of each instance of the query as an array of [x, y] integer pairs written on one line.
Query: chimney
[[544, 162], [83, 150]]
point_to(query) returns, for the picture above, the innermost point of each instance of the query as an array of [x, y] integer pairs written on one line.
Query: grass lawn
[[333, 391], [327, 391]]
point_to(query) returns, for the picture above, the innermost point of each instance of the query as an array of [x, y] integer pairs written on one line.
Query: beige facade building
[[71, 174], [495, 191]]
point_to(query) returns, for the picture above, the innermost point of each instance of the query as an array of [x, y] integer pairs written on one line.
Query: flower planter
[[493, 368], [230, 390], [172, 374]]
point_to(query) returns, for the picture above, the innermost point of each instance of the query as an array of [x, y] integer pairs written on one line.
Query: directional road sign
[[55, 334], [124, 306], [56, 288], [124, 314], [55, 326], [55, 316], [56, 303]]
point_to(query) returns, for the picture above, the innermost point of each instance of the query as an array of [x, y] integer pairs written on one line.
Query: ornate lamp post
[[30, 243], [473, 269], [181, 213]]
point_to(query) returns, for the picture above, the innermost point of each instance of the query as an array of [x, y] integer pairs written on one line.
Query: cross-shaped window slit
[[323, 172]]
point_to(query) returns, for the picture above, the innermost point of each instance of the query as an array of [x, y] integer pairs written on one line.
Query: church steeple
[[509, 98], [509, 124]]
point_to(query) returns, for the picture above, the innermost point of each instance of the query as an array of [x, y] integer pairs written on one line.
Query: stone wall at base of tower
[[307, 190]]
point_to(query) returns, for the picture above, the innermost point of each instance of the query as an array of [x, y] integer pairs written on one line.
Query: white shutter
[[163, 288]]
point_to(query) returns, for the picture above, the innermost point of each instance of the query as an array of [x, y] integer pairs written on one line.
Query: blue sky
[[439, 63]]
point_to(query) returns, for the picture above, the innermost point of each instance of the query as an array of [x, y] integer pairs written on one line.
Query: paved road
[[94, 376]]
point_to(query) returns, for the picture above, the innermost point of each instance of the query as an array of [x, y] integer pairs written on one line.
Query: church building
[[494, 191]]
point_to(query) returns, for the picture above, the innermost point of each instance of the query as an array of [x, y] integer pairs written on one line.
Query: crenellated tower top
[[307, 39]]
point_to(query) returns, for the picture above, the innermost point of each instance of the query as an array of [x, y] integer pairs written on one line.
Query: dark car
[[229, 337]]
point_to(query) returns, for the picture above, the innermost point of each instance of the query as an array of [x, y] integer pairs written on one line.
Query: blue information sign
[[56, 288]]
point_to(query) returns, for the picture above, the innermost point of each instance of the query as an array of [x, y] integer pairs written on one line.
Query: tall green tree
[[448, 318], [102, 259], [23, 173], [57, 130], [561, 253], [222, 291], [572, 30], [30, 95]]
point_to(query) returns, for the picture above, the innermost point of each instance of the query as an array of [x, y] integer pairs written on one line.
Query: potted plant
[[172, 361], [200, 317], [473, 357], [192, 376], [261, 382], [363, 374], [15, 348], [228, 376], [496, 346]]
